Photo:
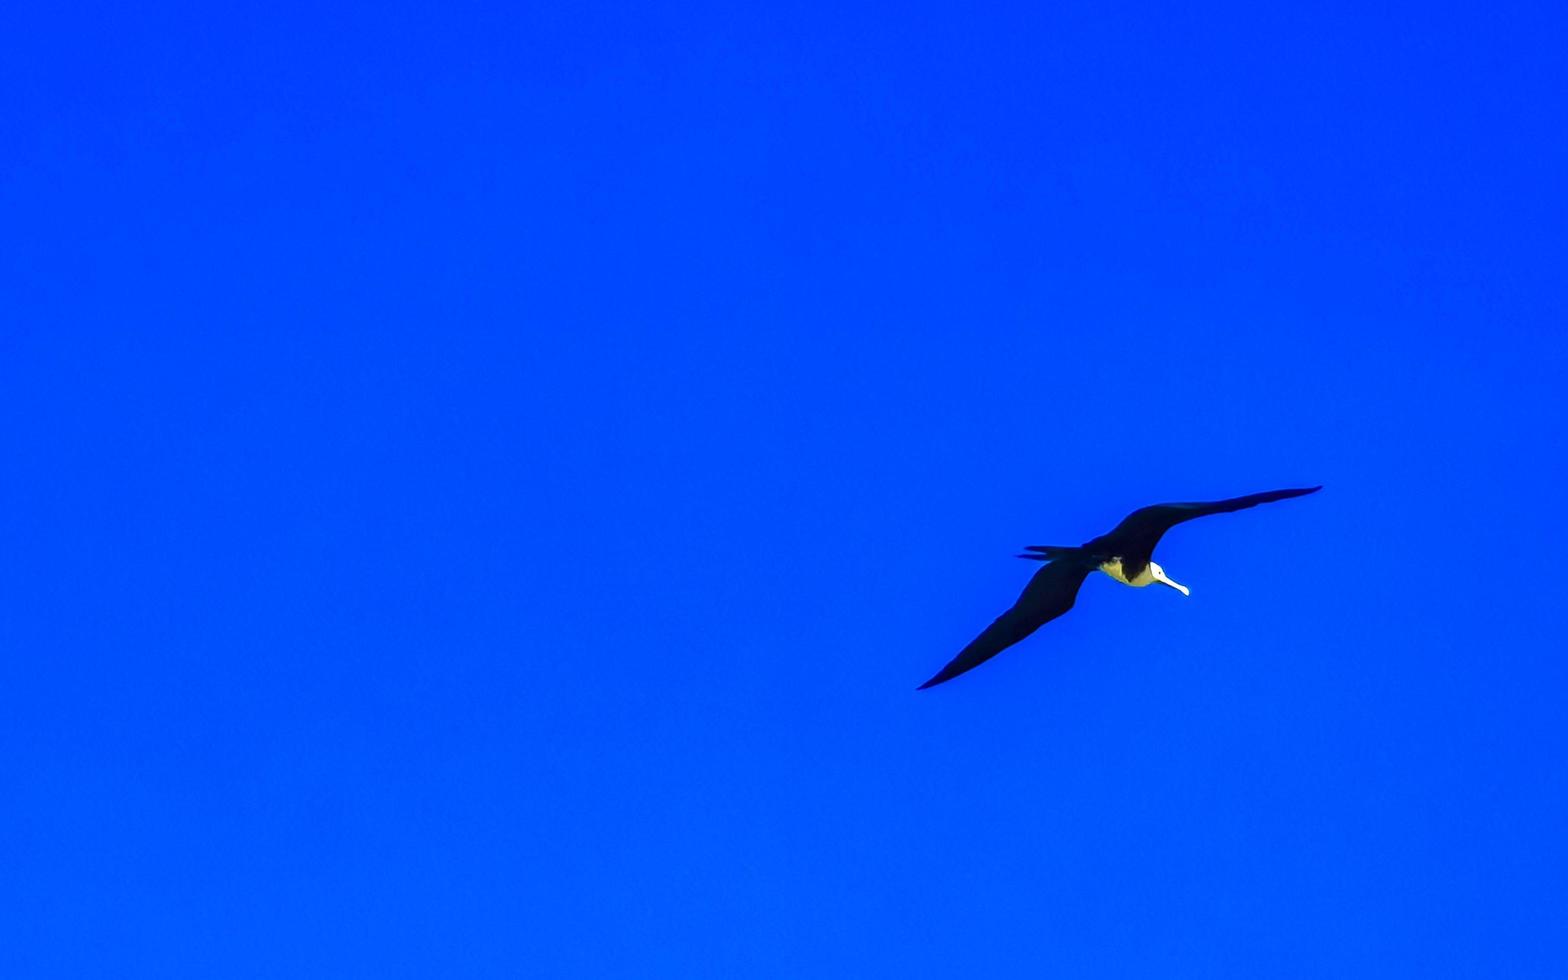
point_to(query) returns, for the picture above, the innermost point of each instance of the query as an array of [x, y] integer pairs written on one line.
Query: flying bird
[[1126, 554]]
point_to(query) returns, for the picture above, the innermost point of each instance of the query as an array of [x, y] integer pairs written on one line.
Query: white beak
[[1163, 580]]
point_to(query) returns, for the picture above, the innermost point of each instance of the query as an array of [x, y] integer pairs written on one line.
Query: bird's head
[[1163, 579]]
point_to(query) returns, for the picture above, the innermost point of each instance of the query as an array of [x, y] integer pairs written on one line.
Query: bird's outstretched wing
[[1133, 540], [1051, 592]]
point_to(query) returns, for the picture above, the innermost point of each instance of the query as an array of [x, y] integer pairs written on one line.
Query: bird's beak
[[1175, 585]]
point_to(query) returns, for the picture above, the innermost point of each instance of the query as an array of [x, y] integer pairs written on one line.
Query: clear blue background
[[481, 485]]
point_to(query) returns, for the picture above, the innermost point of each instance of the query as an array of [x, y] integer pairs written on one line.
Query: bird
[[1125, 553]]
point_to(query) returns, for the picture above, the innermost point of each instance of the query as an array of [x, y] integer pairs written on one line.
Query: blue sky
[[482, 485]]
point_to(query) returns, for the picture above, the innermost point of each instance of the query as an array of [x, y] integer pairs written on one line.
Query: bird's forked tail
[[1052, 552]]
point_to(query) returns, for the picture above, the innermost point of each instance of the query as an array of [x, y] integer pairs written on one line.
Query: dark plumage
[[1126, 554]]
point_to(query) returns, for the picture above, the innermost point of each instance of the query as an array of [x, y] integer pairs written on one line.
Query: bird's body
[[1114, 569], [1126, 554]]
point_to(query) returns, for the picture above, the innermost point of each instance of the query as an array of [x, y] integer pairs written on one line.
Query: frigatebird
[[1126, 554]]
